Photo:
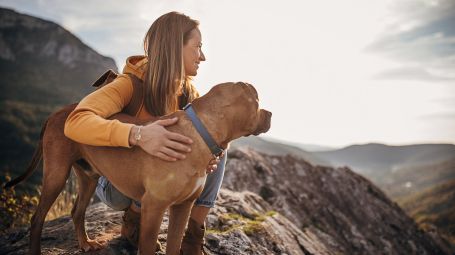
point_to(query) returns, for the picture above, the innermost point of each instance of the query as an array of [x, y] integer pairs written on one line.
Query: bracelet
[[138, 135]]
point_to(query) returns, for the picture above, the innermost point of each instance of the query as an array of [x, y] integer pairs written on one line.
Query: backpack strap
[[132, 108], [104, 79]]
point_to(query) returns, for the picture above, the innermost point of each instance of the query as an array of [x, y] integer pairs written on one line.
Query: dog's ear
[[248, 88], [255, 92]]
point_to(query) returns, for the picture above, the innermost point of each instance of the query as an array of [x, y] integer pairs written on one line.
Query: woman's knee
[[111, 196], [212, 185]]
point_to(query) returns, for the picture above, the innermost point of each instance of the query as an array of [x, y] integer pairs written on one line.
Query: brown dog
[[228, 110]]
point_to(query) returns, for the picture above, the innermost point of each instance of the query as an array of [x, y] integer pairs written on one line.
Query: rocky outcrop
[[241, 223], [351, 215], [282, 205]]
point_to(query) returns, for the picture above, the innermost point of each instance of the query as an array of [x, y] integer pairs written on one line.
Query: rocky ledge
[[272, 205]]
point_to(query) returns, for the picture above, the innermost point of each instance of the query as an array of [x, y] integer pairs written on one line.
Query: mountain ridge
[[43, 67]]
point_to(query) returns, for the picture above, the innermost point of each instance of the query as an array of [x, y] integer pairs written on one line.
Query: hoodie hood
[[136, 65]]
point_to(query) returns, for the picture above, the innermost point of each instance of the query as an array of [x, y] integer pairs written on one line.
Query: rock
[[281, 205], [243, 223], [351, 215], [251, 226]]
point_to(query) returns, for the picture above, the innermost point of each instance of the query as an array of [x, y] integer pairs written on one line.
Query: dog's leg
[[152, 212], [55, 174], [178, 219], [87, 187]]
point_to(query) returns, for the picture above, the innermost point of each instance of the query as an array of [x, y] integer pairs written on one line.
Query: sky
[[333, 73]]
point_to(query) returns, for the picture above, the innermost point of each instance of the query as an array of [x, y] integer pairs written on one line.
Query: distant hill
[[276, 147], [410, 180], [43, 66], [427, 193], [375, 161], [432, 207], [303, 146], [420, 178]]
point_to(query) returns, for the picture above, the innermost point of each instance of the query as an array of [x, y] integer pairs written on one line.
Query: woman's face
[[192, 53]]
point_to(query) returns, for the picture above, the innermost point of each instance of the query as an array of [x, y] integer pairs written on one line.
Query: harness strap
[[214, 148]]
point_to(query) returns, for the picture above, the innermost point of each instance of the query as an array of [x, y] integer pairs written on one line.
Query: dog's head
[[259, 119], [239, 106]]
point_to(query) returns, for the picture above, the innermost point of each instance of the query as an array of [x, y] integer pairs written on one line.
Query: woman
[[172, 56]]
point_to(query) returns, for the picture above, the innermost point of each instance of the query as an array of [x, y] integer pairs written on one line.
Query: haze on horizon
[[333, 73]]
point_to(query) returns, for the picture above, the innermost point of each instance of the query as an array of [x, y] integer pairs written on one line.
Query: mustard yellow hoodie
[[87, 124]]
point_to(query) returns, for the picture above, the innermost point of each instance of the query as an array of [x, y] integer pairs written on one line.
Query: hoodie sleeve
[[87, 124]]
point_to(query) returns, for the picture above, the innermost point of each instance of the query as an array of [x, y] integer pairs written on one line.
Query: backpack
[[132, 108]]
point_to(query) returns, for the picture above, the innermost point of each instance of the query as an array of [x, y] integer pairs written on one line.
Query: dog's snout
[[264, 123], [267, 114]]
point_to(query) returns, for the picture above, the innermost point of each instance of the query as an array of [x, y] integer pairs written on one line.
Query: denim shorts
[[118, 201]]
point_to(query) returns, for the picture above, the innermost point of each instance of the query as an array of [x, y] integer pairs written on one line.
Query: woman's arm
[[156, 140], [87, 124]]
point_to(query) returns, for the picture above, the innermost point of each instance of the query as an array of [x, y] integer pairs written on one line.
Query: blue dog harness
[[214, 148]]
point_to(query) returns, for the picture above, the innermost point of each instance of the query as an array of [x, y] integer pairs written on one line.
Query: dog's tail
[[37, 156]]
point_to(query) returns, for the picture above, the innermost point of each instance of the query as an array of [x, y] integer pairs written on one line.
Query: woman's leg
[[117, 201], [111, 196], [208, 196], [193, 241], [212, 185]]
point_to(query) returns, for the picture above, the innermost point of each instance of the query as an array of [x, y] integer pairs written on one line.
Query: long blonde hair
[[166, 86]]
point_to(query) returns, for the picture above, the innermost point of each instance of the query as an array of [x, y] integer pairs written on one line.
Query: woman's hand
[[159, 142]]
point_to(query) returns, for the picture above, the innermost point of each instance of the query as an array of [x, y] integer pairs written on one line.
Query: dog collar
[[214, 148]]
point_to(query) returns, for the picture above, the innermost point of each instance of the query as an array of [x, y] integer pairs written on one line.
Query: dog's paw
[[91, 245]]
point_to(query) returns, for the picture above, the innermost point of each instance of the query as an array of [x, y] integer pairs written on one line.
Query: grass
[[249, 226], [16, 209]]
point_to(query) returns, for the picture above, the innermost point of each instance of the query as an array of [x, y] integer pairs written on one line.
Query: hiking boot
[[131, 228], [193, 241]]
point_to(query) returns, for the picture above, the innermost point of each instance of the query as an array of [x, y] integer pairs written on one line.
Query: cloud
[[112, 28], [417, 73], [305, 51], [440, 116], [421, 38]]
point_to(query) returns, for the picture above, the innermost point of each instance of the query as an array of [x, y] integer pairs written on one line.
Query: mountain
[[434, 207], [303, 146], [420, 178], [276, 147], [427, 193], [41, 62], [378, 160], [43, 66], [270, 205], [410, 180], [357, 216]]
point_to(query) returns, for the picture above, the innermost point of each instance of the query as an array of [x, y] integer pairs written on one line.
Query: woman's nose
[[202, 57]]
